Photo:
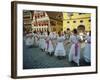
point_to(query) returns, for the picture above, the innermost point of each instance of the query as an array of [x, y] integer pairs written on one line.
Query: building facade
[[55, 21], [40, 21], [73, 20], [27, 19], [43, 21]]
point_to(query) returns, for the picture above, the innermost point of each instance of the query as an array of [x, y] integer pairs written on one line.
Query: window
[[68, 22], [74, 21], [81, 21], [89, 20], [81, 13]]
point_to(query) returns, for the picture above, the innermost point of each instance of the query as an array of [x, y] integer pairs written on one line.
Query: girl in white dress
[[46, 43], [45, 38], [29, 40], [36, 39], [39, 35], [87, 49], [42, 42], [54, 39], [74, 54], [49, 45], [60, 51]]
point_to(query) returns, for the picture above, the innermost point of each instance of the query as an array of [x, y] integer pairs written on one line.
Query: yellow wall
[[58, 26], [76, 17]]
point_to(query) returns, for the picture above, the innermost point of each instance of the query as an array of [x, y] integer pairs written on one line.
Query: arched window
[[81, 21], [81, 28]]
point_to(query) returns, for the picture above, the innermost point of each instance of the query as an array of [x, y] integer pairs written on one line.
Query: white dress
[[74, 54], [87, 50], [45, 38], [39, 42], [54, 39], [42, 42], [60, 51], [50, 46], [46, 43], [81, 36], [36, 40], [29, 40]]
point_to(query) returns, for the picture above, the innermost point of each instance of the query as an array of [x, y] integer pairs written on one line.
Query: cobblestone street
[[34, 58]]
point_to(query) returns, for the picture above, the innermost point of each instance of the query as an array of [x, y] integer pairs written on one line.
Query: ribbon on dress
[[47, 44], [76, 49], [89, 42]]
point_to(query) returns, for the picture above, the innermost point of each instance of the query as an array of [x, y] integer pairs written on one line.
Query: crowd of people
[[54, 43]]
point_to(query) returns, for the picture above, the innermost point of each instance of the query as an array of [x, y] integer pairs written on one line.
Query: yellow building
[[73, 20]]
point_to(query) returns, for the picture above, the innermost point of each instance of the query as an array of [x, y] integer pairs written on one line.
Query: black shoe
[[59, 57], [51, 54]]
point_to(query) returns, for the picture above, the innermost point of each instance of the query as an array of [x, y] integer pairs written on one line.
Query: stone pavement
[[34, 58]]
